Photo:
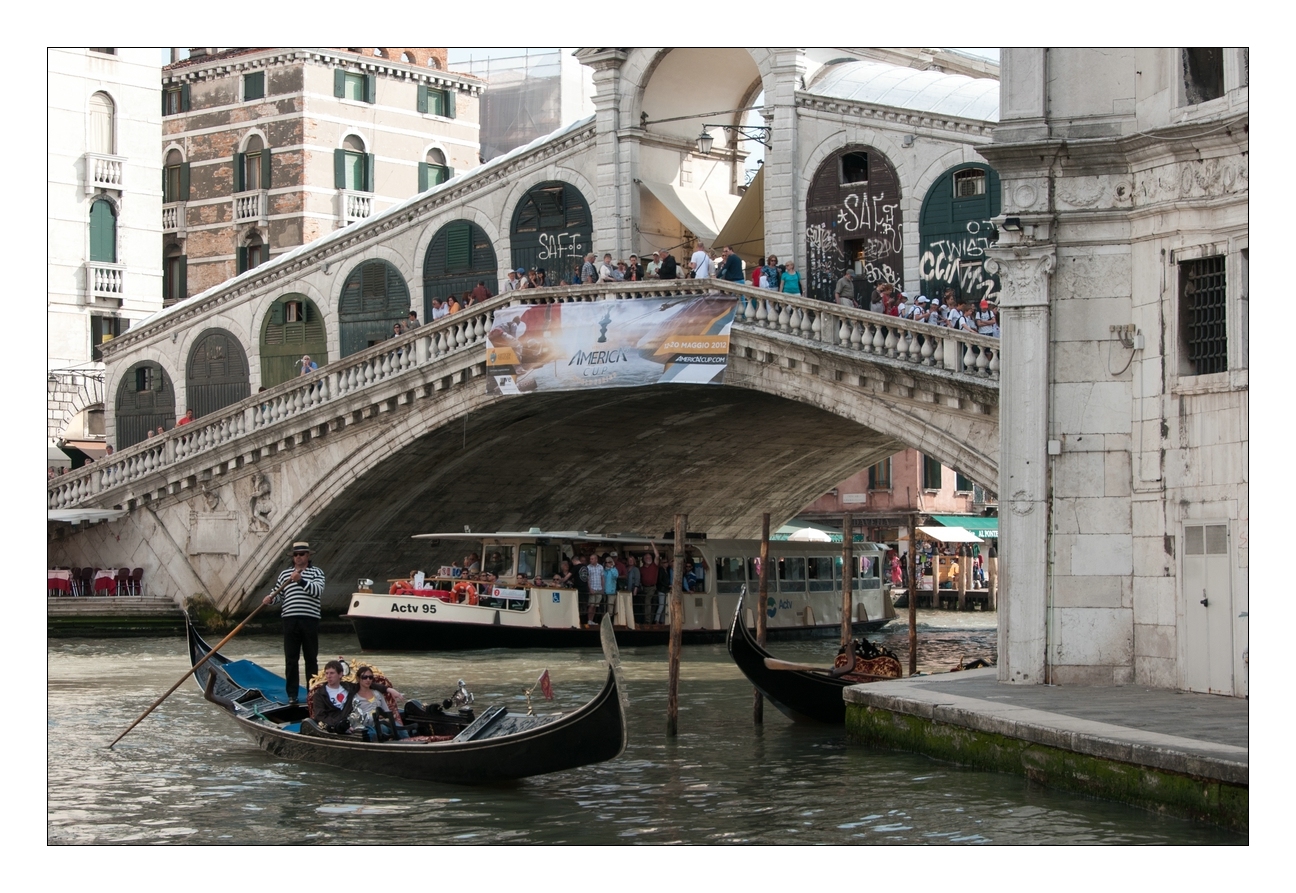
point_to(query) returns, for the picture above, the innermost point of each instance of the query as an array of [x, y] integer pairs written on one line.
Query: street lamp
[[756, 134], [705, 141]]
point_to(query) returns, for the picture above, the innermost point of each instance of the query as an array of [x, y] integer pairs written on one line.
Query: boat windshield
[[497, 560]]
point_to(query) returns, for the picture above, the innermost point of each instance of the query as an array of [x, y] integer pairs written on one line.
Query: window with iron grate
[[1202, 315]]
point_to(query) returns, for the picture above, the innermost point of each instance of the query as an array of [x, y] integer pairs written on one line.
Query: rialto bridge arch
[[403, 438]]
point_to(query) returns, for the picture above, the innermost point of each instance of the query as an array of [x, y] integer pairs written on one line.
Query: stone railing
[[886, 339], [103, 172], [276, 408], [353, 206], [105, 280], [173, 217], [250, 207]]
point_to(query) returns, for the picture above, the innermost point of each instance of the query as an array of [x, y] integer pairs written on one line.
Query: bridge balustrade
[[887, 339]]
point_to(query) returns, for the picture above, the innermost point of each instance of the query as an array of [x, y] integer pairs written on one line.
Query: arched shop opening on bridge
[[955, 231], [145, 402], [216, 374], [293, 328], [552, 231], [460, 256], [374, 298]]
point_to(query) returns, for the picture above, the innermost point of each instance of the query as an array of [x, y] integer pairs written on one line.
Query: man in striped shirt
[[302, 585]]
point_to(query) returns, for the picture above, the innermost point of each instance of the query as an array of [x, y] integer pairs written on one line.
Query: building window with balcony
[[175, 273], [175, 178], [432, 101], [1203, 307], [254, 86], [434, 171], [353, 85], [103, 232], [252, 166], [101, 138], [353, 168], [102, 330], [879, 476], [933, 473], [175, 99]]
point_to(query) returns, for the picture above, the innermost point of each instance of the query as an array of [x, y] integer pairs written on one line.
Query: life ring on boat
[[465, 591], [401, 587]]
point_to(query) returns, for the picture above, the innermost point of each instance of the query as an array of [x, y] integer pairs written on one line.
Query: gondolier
[[299, 588]]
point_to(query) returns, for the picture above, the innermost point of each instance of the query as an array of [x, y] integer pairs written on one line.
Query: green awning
[[986, 528]]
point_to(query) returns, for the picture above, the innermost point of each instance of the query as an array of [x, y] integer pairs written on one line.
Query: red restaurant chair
[[123, 581], [76, 580], [87, 581], [137, 581]]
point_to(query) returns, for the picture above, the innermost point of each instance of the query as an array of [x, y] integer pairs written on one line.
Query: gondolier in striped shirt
[[302, 586]]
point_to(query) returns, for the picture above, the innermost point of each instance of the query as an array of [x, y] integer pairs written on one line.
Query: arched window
[[101, 138], [353, 168], [253, 252], [293, 328], [217, 372], [103, 232], [433, 63], [408, 57], [433, 170], [459, 256], [252, 166], [552, 229], [145, 402], [374, 297], [175, 178]]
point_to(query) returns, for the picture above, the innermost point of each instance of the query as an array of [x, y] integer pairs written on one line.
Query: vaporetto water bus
[[511, 599]]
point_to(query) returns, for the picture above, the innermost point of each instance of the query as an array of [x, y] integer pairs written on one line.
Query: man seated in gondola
[[331, 701]]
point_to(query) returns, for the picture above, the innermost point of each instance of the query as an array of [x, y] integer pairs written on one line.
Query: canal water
[[187, 775]]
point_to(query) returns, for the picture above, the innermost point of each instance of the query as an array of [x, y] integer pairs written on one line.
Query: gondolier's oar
[[195, 667], [773, 663]]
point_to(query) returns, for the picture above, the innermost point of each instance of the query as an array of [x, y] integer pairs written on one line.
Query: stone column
[[611, 207], [1025, 273], [784, 232]]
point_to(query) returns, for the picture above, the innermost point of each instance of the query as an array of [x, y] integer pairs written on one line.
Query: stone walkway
[[1184, 732]]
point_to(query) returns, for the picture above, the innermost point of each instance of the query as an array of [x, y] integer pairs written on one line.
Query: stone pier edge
[[1219, 801]]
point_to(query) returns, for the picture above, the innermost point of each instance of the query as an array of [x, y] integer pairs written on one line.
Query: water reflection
[[186, 774]]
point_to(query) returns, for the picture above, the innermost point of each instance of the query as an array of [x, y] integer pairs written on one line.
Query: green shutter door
[[265, 167], [369, 172], [422, 104], [239, 185], [103, 233], [184, 182], [450, 103], [339, 168], [184, 97], [371, 88], [184, 276], [423, 185], [339, 83]]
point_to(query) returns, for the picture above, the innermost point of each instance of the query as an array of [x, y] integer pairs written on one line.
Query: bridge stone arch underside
[[441, 453]]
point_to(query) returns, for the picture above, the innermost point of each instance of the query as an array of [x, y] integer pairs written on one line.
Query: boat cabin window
[[539, 560], [791, 574], [866, 572], [527, 559], [729, 574], [497, 560], [820, 573], [753, 572]]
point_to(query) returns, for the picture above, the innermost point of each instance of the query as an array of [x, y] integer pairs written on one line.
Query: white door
[[1208, 609]]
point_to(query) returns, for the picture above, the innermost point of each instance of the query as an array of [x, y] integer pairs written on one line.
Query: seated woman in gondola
[[333, 700], [373, 695]]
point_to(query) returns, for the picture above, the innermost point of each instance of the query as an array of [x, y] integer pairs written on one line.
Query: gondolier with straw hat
[[299, 588]]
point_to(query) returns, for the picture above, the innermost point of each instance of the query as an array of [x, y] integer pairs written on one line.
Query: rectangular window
[[353, 85], [932, 473], [108, 51], [251, 171], [791, 574], [254, 86], [144, 378], [729, 574], [1202, 311], [1203, 74], [879, 476], [293, 311], [354, 171], [173, 280], [821, 573], [175, 99], [962, 484], [171, 184], [102, 330], [969, 183], [854, 167]]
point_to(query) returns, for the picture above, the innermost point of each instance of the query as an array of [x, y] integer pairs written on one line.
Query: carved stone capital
[[1023, 273]]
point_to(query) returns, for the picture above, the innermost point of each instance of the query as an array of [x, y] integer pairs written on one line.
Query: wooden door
[[145, 402], [217, 373]]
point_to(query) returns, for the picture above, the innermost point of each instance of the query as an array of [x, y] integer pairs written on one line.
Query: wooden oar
[[194, 668], [773, 663]]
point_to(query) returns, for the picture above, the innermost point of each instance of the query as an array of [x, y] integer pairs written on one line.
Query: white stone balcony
[[103, 172], [173, 217], [353, 206], [250, 207], [105, 283]]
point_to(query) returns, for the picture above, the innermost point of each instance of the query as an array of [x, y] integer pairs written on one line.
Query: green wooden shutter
[[277, 313], [265, 167], [422, 104], [242, 259], [371, 87], [424, 185], [184, 97], [369, 172], [339, 168], [339, 83], [184, 277], [449, 173], [239, 185], [184, 182], [450, 103], [103, 233]]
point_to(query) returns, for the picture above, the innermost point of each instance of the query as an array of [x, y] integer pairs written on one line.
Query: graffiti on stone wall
[[959, 262], [559, 245], [862, 231], [824, 256]]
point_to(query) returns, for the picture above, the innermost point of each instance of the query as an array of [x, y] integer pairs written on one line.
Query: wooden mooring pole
[[913, 594], [762, 597], [676, 629], [848, 575]]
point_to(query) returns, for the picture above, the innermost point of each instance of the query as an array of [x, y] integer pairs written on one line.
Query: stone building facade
[[1124, 260], [104, 220], [268, 149]]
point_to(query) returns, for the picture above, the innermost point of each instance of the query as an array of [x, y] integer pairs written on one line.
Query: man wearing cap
[[650, 268], [512, 283], [299, 589], [985, 318]]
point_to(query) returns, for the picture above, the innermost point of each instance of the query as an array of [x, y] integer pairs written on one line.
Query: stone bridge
[[403, 438]]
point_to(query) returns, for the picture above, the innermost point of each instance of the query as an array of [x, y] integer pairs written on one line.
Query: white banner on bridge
[[609, 344]]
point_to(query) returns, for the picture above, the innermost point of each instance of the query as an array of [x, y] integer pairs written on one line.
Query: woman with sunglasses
[[370, 698]]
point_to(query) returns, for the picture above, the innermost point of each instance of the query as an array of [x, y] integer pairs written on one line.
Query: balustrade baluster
[[982, 362], [806, 326], [783, 317], [890, 342], [459, 338], [844, 332], [762, 312], [928, 348], [993, 368], [750, 308], [879, 338], [914, 348]]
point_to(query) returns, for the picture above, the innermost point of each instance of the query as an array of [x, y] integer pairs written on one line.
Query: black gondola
[[493, 746], [803, 695]]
